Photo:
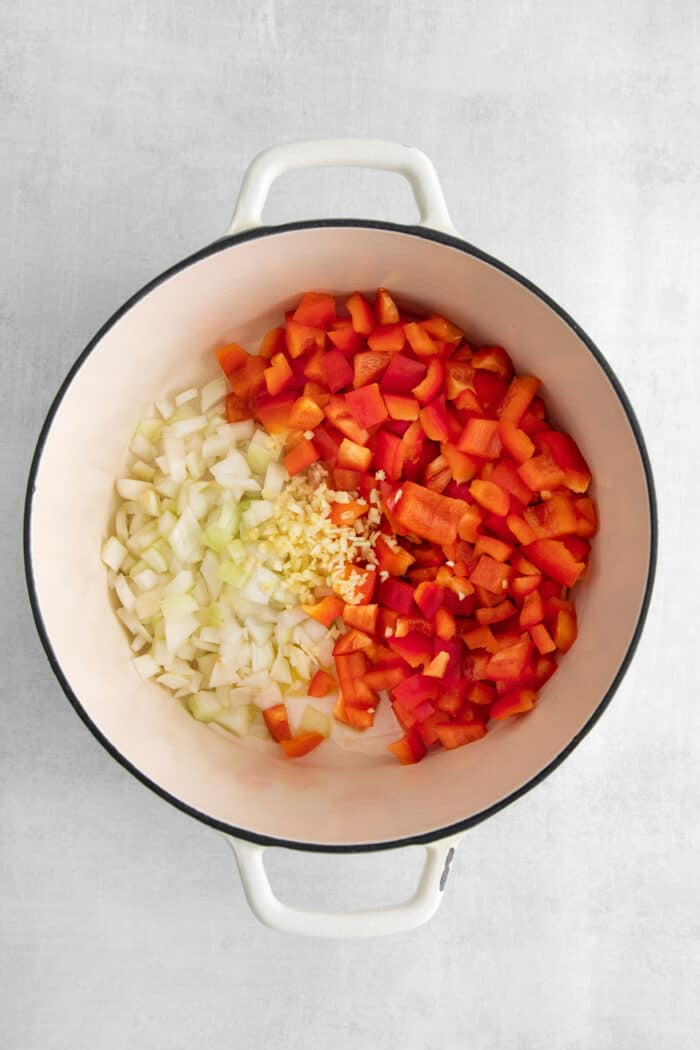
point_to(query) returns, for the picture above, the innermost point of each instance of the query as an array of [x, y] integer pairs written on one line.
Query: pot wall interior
[[163, 344]]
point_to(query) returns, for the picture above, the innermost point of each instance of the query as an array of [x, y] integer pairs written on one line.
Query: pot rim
[[267, 231]]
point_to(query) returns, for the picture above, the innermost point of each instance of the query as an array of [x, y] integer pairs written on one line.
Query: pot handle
[[354, 153], [396, 918]]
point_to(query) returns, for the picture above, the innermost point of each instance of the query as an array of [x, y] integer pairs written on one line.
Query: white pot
[[161, 340]]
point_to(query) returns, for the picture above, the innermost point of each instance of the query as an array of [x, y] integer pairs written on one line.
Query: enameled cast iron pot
[[162, 340]]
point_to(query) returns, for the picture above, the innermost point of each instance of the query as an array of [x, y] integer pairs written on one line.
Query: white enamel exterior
[[163, 343]]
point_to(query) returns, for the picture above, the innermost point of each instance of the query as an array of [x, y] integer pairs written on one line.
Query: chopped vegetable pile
[[383, 509]]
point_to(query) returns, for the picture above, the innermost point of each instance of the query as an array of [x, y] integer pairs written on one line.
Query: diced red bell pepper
[[338, 413], [494, 359], [505, 473], [577, 546], [346, 339], [358, 717], [510, 664], [249, 378], [386, 624], [316, 309], [385, 308], [237, 409], [352, 641], [490, 574], [480, 437], [553, 517], [490, 390], [518, 398], [327, 443], [565, 629], [278, 375], [515, 441], [532, 611], [410, 748], [402, 375], [368, 366], [544, 643], [300, 457], [513, 702], [415, 648], [427, 514], [459, 377], [414, 690], [301, 744], [520, 528], [305, 414], [463, 467], [437, 668], [367, 405], [481, 693], [490, 496], [336, 371], [277, 722], [362, 582], [389, 338], [346, 480], [388, 454], [321, 684], [301, 338], [386, 677], [231, 357], [496, 613], [392, 559], [433, 419], [352, 456], [541, 473], [440, 328], [429, 597], [445, 625], [348, 513], [312, 366], [437, 475], [432, 384], [497, 549], [521, 565], [567, 455], [316, 393], [586, 517], [326, 610], [456, 734], [421, 343], [553, 559], [397, 595], [273, 412], [362, 617], [405, 718], [481, 637], [273, 342], [402, 408], [361, 313]]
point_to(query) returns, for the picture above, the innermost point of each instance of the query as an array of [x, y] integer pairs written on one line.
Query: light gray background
[[567, 137]]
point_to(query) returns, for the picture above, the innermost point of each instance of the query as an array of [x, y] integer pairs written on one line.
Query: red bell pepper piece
[[432, 384], [361, 313], [302, 338], [498, 549], [348, 513], [237, 408], [346, 339], [402, 408], [273, 412], [429, 597], [368, 366], [481, 693], [393, 559], [277, 722], [305, 414], [352, 641], [505, 473], [433, 419], [437, 668], [414, 690], [445, 625], [300, 457], [586, 517], [402, 375], [541, 473], [385, 308], [389, 338], [316, 309], [490, 574], [312, 367], [520, 528], [385, 677], [532, 611], [510, 663], [346, 480], [567, 455], [362, 617], [580, 548], [326, 610], [327, 442], [553, 517], [278, 375], [338, 413], [440, 328], [515, 441], [459, 377], [553, 559], [481, 637], [513, 702], [490, 496], [565, 629], [494, 359], [273, 342], [367, 405], [496, 613], [415, 648], [456, 734], [397, 595], [231, 357], [490, 390], [321, 684], [480, 437], [544, 643], [437, 475], [249, 378], [388, 454], [301, 744], [410, 748], [352, 456], [336, 372], [362, 580], [518, 398], [422, 344], [427, 514], [463, 467]]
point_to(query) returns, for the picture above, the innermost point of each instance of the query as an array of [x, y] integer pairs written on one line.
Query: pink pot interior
[[162, 344]]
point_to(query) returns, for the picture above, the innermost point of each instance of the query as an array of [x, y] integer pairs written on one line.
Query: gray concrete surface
[[567, 136]]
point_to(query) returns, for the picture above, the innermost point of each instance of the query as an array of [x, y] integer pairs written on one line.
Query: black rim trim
[[264, 840]]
